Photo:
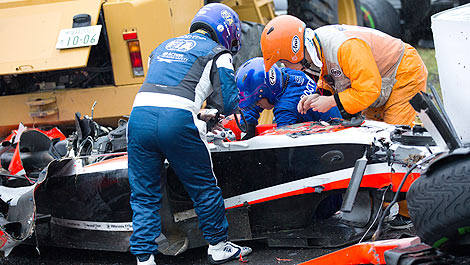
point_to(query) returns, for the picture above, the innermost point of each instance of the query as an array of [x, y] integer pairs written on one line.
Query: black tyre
[[251, 47], [316, 13], [381, 15], [416, 17], [439, 205]]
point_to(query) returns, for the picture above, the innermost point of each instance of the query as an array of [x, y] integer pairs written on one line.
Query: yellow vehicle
[[49, 70], [58, 57]]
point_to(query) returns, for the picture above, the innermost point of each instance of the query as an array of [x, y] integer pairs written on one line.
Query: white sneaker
[[150, 261], [225, 251]]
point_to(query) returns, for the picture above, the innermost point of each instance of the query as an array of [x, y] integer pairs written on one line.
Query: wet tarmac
[[262, 255]]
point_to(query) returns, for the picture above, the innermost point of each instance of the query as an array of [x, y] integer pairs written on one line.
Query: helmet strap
[[305, 64], [309, 68]]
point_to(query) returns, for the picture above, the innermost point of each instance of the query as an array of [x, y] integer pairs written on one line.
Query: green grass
[[429, 59]]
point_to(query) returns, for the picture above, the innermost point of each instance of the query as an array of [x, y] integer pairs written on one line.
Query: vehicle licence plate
[[78, 37]]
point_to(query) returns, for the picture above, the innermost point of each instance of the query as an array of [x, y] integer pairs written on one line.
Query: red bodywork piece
[[16, 166], [363, 253]]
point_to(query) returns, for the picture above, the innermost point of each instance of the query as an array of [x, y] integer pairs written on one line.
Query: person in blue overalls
[[279, 88], [166, 122]]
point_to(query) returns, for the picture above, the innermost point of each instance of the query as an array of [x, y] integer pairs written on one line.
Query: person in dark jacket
[[166, 123], [279, 89]]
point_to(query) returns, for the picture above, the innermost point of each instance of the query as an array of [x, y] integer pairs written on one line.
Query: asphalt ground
[[28, 255], [262, 255]]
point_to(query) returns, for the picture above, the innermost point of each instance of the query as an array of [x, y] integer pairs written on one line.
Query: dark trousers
[[156, 133]]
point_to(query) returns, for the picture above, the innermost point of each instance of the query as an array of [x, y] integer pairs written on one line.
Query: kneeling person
[[279, 88]]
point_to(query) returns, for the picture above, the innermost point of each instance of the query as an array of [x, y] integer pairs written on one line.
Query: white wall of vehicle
[[451, 31]]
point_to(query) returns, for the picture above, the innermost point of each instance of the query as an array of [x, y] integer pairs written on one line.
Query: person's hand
[[212, 118], [323, 103], [304, 103], [207, 114], [218, 126]]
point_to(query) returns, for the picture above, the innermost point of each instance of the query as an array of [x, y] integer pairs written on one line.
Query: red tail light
[[134, 53]]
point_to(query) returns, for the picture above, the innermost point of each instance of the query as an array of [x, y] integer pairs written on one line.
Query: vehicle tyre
[[439, 205], [251, 47], [316, 13], [416, 24], [381, 15]]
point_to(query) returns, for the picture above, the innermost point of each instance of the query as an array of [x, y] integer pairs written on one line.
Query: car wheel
[[317, 13], [314, 13], [381, 15], [251, 47], [439, 205]]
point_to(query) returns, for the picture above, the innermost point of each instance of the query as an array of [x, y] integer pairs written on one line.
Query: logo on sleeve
[[295, 44], [298, 79], [336, 72]]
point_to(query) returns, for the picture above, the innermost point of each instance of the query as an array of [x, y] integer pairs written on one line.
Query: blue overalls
[[295, 84], [183, 72]]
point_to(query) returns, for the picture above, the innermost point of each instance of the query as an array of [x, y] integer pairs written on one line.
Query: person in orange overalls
[[359, 70]]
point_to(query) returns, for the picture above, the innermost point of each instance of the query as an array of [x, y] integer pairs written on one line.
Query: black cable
[[376, 235], [245, 126], [376, 216], [395, 198]]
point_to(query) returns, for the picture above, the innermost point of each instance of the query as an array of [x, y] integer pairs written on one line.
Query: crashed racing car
[[285, 186]]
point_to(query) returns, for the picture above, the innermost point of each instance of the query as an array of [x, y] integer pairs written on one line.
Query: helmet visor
[[235, 46]]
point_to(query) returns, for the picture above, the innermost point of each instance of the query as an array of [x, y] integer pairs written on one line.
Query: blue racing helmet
[[222, 23], [254, 83]]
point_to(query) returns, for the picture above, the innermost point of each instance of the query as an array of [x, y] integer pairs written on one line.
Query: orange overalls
[[363, 63]]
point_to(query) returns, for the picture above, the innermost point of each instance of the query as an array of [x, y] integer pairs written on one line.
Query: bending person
[[359, 69], [164, 124], [279, 88]]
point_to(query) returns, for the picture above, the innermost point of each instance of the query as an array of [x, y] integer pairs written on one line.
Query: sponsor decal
[[336, 72], [272, 76], [299, 80], [190, 36], [227, 17], [295, 44], [340, 28], [310, 41], [310, 88], [98, 226], [171, 57], [180, 45]]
